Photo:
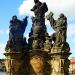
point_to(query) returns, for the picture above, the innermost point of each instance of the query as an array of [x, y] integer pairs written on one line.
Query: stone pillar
[[13, 63], [59, 61]]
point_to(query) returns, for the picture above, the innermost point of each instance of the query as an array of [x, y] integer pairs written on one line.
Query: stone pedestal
[[59, 61], [17, 63], [13, 63], [38, 62]]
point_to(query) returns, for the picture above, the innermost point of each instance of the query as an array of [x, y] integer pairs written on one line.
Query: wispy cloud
[[74, 39], [71, 30], [2, 47], [7, 31], [57, 6], [4, 32], [1, 31]]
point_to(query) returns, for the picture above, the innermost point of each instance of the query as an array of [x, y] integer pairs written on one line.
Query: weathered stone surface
[[37, 64], [16, 40], [43, 54], [60, 28], [38, 28], [48, 43], [59, 62], [13, 63]]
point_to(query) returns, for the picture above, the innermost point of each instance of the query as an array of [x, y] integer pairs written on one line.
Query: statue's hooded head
[[36, 1], [14, 18], [61, 15]]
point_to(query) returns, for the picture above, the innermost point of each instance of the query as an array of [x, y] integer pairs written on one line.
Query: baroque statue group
[[38, 37], [39, 40]]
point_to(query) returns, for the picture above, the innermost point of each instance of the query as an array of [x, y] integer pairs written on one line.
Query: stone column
[[13, 63], [59, 61]]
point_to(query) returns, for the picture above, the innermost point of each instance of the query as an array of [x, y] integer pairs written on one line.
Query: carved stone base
[[38, 62], [59, 62], [14, 63]]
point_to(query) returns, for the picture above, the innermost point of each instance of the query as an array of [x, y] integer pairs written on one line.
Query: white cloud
[[7, 31], [25, 7], [2, 50], [57, 6]]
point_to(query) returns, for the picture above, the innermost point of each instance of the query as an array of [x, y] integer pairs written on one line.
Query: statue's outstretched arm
[[34, 8], [24, 23], [51, 19]]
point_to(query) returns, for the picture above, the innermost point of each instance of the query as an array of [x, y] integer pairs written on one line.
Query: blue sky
[[21, 8]]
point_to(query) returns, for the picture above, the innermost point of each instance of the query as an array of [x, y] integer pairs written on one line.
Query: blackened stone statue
[[16, 31], [17, 28], [39, 28]]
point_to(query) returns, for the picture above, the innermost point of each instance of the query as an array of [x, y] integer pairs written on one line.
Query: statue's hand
[[32, 9], [49, 15], [26, 17]]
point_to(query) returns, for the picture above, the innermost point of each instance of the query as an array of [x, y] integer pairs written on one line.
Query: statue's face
[[36, 1], [14, 18]]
